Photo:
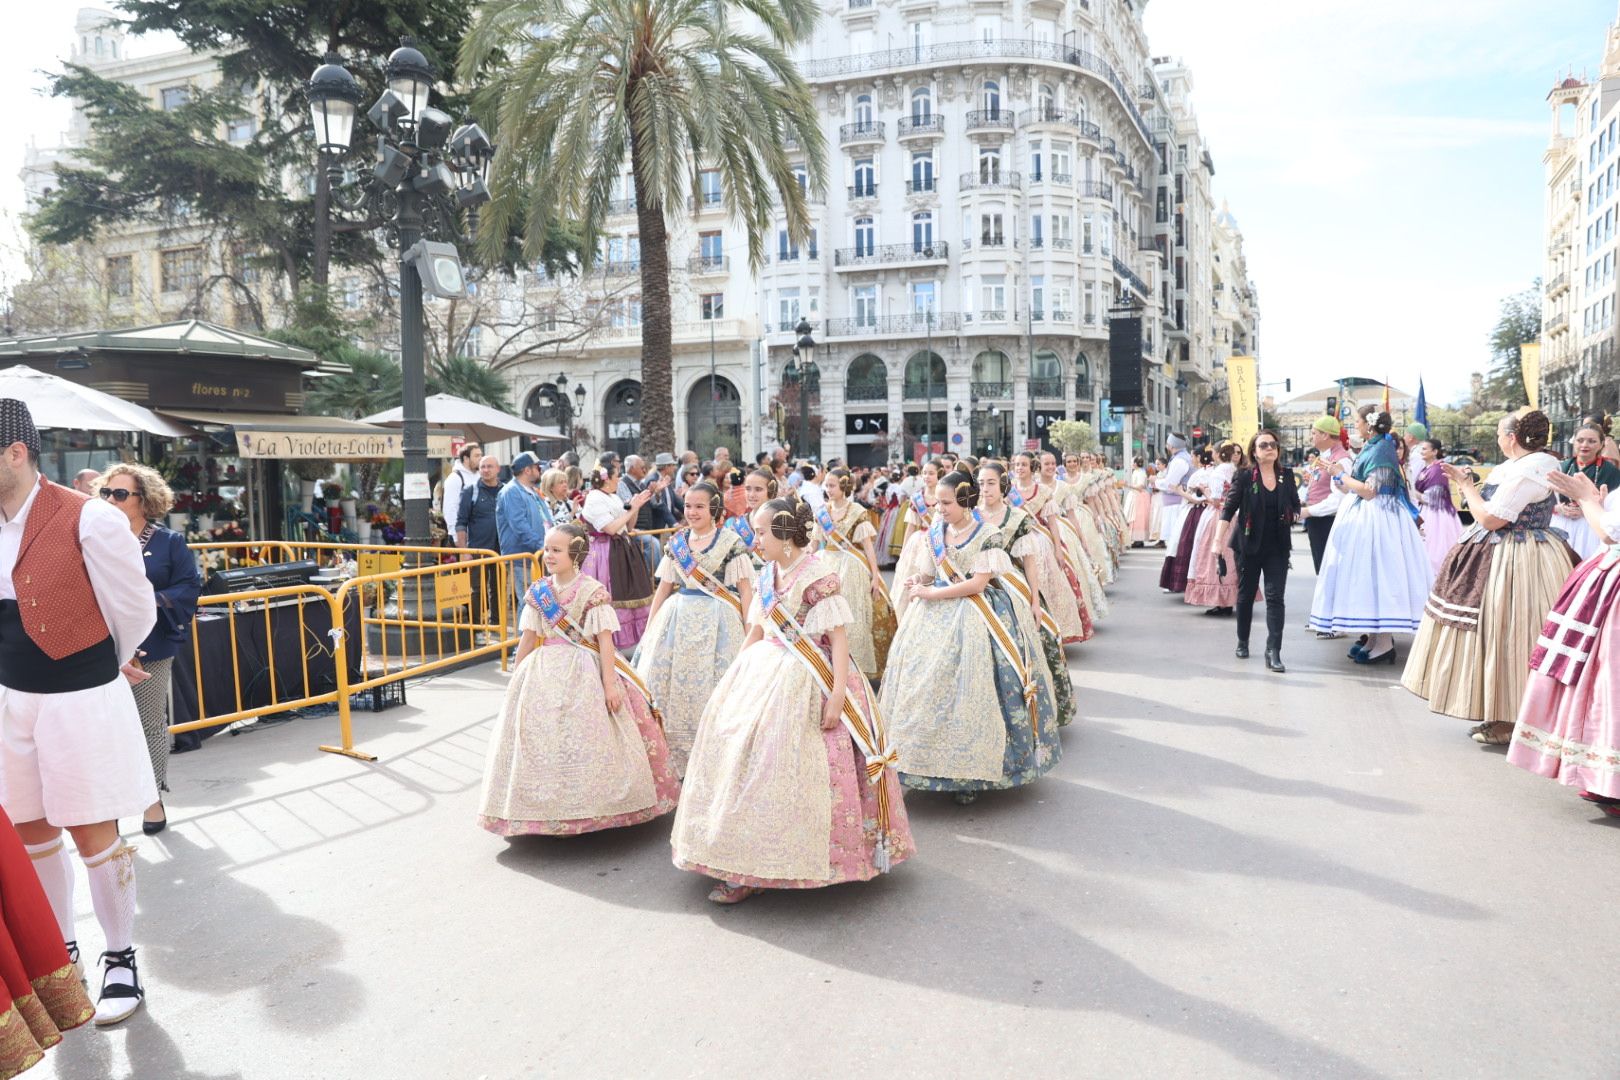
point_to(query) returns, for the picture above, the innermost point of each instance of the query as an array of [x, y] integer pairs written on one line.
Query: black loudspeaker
[[1125, 362]]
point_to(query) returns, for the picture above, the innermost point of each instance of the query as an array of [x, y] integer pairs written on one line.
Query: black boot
[[1243, 650], [1274, 659]]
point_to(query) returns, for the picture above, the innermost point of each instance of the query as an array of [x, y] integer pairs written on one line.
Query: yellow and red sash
[[680, 549], [999, 633], [843, 543]]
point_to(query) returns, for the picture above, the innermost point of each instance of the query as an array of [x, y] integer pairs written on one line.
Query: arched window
[[1046, 375], [98, 45], [867, 379], [863, 109], [1046, 101], [922, 104], [1082, 377], [621, 414], [990, 97], [714, 415], [923, 370], [865, 236], [992, 375]]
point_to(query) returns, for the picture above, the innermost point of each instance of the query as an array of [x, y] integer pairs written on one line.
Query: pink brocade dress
[[559, 762], [770, 799]]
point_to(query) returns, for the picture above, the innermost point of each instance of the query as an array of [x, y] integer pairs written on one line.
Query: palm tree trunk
[[657, 408]]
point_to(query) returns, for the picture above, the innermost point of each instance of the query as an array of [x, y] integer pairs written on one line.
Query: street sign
[[1198, 433], [956, 440]]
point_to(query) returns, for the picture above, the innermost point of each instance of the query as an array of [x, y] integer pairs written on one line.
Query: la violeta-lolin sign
[[336, 446]]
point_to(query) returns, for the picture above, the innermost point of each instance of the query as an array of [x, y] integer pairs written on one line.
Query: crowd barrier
[[410, 611]]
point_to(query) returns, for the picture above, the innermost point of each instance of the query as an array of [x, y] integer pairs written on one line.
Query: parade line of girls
[[748, 707], [1512, 628]]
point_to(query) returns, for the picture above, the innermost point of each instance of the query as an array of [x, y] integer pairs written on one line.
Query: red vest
[[57, 604]]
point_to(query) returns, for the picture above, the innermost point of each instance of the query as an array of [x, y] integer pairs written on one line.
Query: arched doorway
[[621, 416], [714, 417]]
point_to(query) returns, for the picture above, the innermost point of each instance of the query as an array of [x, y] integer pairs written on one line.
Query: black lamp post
[[423, 177], [802, 370]]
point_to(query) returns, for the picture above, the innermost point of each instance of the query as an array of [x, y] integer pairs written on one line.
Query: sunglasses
[[1265, 446], [117, 493]]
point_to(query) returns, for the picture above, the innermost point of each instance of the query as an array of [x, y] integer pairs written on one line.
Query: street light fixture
[[418, 186], [801, 369]]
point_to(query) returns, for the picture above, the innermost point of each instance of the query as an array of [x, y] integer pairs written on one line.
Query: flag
[[1422, 413], [1386, 394]]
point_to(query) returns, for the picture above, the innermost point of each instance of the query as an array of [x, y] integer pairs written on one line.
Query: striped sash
[[680, 549], [843, 543], [867, 735]]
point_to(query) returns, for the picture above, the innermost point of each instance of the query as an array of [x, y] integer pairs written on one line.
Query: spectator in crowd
[[633, 482], [735, 498], [668, 507], [557, 488], [463, 476], [86, 481], [690, 473], [171, 569], [521, 518], [478, 527], [810, 489]]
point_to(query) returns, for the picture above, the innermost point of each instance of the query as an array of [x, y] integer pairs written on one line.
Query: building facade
[[1580, 342], [1005, 178]]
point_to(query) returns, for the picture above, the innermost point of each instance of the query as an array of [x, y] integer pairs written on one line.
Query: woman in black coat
[[1263, 501]]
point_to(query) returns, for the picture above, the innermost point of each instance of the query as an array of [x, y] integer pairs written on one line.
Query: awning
[[287, 438], [57, 403], [446, 412]]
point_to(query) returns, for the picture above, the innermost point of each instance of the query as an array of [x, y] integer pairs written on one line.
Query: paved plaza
[[1231, 874]]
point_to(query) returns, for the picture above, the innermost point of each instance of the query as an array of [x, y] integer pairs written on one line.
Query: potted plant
[[180, 513], [310, 471]]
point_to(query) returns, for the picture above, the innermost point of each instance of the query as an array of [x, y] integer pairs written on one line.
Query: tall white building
[[1580, 360], [1004, 177]]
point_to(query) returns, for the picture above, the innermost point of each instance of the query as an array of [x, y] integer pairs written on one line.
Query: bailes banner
[[1242, 382]]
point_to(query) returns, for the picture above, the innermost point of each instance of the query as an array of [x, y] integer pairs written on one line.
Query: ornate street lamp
[[801, 369], [424, 195]]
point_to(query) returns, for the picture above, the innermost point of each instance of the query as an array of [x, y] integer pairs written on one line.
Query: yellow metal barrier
[[256, 604], [372, 558]]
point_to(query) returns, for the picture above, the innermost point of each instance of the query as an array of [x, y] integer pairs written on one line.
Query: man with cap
[[1175, 495], [521, 518], [669, 509], [1322, 498], [74, 607]]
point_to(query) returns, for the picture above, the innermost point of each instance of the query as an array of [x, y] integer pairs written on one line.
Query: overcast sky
[[1383, 158]]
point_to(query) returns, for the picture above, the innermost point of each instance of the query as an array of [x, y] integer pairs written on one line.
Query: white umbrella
[[446, 412], [56, 402]]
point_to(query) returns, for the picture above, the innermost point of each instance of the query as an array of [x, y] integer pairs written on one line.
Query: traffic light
[[1288, 386]]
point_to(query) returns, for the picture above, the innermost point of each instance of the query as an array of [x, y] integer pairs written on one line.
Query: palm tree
[[469, 378], [673, 86]]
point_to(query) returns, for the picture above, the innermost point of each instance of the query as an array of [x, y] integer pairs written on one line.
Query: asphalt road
[[1231, 874]]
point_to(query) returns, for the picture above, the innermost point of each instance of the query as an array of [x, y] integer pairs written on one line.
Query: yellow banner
[[452, 590], [1530, 368], [1243, 385]]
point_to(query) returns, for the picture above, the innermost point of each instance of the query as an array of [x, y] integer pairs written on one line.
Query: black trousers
[[486, 582], [1317, 529], [1273, 564]]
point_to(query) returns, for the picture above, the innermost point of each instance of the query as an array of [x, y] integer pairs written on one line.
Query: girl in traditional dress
[[1472, 654], [1569, 721], [1155, 505], [1056, 572], [1140, 511], [759, 487], [705, 582], [790, 784], [1209, 588], [967, 696], [1376, 572], [1023, 544], [615, 560], [844, 529], [918, 516], [1605, 476], [1212, 481], [577, 747], [1080, 521], [1441, 526]]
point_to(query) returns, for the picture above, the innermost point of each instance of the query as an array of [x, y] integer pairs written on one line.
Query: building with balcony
[[1580, 342]]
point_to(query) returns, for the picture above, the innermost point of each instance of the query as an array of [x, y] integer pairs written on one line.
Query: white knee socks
[[112, 891], [56, 875]]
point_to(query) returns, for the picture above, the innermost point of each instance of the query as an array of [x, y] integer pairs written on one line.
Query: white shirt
[[601, 508], [813, 493], [450, 495], [1519, 483], [113, 561], [1176, 474]]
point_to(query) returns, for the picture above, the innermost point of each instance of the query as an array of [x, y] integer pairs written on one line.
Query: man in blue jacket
[[521, 518], [476, 527]]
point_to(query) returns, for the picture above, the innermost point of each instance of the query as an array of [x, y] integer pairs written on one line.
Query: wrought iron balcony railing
[[881, 254]]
